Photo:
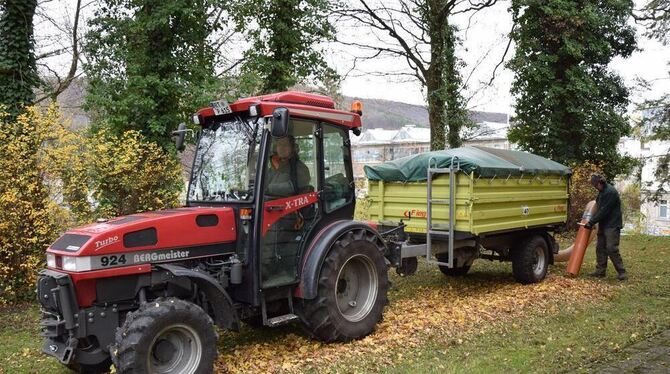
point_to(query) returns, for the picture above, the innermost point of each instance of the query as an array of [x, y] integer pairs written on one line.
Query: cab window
[[338, 179]]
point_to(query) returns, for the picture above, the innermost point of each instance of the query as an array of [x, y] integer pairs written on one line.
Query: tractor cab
[[283, 162]]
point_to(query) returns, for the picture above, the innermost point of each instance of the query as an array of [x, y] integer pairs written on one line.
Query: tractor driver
[[287, 175]]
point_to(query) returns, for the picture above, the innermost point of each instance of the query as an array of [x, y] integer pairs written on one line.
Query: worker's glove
[[589, 225]]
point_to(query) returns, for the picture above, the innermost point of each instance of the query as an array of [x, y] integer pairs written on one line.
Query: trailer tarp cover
[[483, 161]]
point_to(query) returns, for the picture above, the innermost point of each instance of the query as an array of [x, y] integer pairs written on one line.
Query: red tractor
[[266, 238]]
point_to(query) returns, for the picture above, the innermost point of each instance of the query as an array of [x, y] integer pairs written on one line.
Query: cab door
[[290, 202]]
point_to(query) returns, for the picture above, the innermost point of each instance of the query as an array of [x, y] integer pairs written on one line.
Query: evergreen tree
[[18, 73], [285, 35], [570, 106], [149, 65]]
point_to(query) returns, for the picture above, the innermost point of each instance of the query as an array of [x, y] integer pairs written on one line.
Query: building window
[[663, 209]]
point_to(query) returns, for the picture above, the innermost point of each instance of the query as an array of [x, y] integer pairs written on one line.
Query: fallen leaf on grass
[[455, 312]]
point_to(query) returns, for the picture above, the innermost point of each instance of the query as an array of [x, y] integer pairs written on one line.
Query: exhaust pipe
[[575, 253]]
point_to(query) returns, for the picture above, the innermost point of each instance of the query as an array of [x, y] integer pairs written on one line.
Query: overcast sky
[[484, 42], [487, 34]]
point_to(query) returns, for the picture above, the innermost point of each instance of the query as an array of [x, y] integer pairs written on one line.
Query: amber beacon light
[[357, 107]]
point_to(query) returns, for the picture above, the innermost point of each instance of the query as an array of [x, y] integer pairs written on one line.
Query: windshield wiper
[[249, 132]]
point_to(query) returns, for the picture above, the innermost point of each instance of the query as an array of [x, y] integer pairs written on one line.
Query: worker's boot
[[614, 255], [618, 265], [598, 274]]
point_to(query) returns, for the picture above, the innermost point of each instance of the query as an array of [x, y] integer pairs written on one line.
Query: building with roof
[[375, 146], [656, 213]]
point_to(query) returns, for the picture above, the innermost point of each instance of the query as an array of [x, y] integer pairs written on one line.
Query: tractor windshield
[[225, 162]]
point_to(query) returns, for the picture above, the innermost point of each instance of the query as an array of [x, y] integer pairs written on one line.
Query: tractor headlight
[[76, 263], [51, 260]]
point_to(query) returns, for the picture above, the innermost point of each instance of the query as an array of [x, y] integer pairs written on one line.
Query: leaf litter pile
[[451, 308]]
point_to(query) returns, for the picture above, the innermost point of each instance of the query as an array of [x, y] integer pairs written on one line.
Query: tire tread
[[129, 336], [315, 314], [523, 258]]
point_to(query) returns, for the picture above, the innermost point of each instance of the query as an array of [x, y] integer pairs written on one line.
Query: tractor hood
[[164, 229]]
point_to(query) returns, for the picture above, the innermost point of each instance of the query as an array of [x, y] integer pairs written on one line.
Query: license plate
[[220, 107]]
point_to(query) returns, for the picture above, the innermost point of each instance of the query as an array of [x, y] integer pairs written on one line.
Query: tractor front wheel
[[351, 293], [100, 368], [167, 335]]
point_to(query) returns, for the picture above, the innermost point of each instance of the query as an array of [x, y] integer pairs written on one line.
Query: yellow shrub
[[52, 178], [130, 174], [28, 216]]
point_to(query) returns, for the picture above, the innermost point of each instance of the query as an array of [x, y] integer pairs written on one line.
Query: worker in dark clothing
[[608, 218]]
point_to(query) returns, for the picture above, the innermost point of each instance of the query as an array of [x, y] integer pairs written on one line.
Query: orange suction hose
[[582, 241], [589, 210]]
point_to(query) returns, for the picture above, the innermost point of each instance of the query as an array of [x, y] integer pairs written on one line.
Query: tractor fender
[[225, 315], [318, 250]]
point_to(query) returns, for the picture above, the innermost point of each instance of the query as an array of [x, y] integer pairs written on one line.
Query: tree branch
[[403, 43], [74, 63], [502, 59]]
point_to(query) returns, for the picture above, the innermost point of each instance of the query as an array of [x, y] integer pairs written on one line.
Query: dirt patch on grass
[[452, 310]]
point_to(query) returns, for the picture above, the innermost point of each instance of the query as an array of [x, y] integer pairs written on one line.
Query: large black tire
[[103, 367], [352, 288], [530, 260], [167, 335], [456, 271]]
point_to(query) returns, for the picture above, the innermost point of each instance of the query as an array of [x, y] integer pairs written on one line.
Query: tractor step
[[281, 320]]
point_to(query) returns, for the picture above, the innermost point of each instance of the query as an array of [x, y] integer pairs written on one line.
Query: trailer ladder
[[452, 170]]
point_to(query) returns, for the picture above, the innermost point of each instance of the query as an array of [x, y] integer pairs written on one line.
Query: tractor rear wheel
[[351, 293], [167, 335], [530, 260]]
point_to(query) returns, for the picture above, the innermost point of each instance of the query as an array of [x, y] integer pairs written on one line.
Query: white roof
[[376, 136], [412, 134], [407, 134], [489, 131]]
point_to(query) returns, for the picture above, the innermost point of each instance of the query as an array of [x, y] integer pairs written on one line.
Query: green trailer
[[504, 205]]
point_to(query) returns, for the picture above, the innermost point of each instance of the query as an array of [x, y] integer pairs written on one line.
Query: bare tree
[[419, 33], [59, 52]]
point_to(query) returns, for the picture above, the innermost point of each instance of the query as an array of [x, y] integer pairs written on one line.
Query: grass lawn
[[484, 322]]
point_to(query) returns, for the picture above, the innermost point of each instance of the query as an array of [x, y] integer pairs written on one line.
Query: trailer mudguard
[[318, 250], [552, 245], [224, 312]]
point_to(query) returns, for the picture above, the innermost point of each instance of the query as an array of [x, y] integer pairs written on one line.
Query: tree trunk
[[456, 114], [18, 73], [437, 115]]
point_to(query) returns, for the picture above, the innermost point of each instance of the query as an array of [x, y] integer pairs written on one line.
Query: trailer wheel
[[351, 294], [456, 271], [530, 260], [167, 335]]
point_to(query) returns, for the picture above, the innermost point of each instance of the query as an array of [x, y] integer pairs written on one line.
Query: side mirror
[[180, 134], [279, 127]]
